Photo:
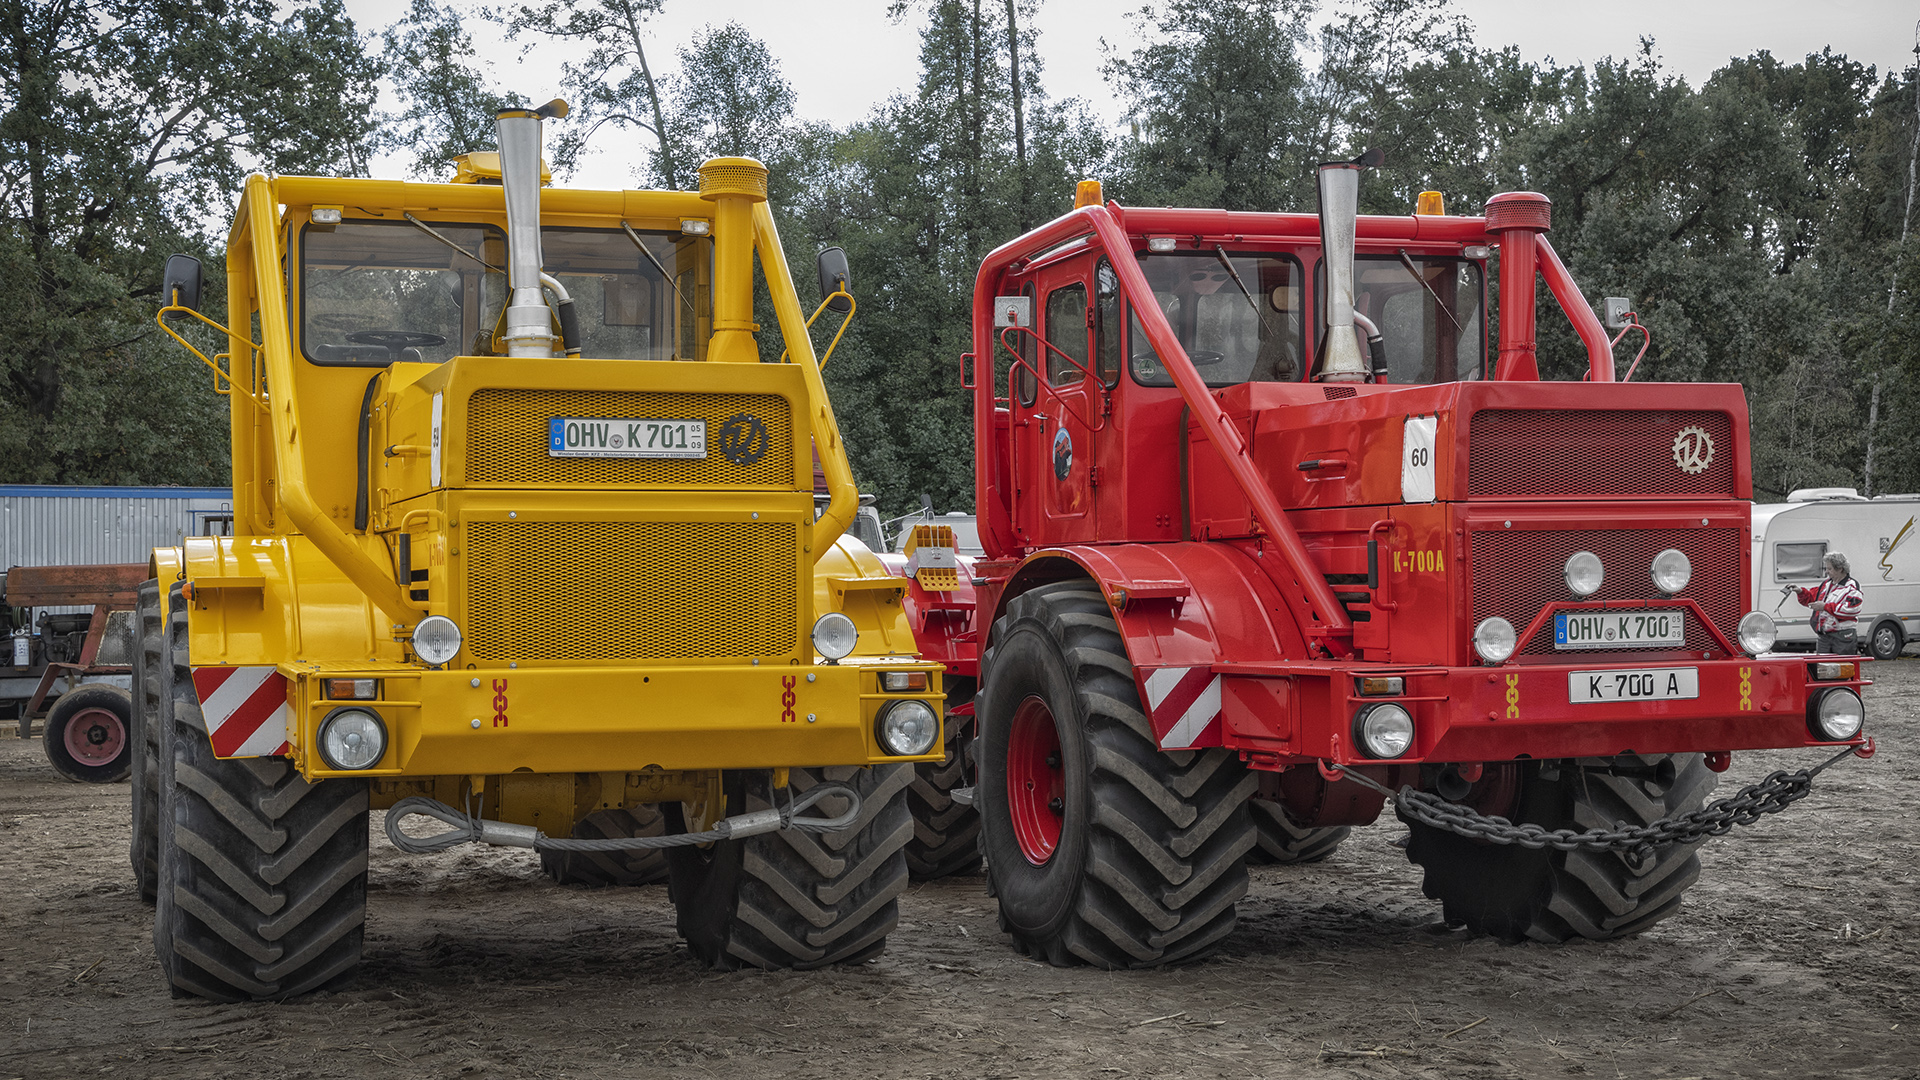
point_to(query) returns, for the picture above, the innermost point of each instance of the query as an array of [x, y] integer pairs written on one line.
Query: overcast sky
[[843, 58]]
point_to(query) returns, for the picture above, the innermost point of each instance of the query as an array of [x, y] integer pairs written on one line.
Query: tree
[[449, 104], [614, 84], [125, 129]]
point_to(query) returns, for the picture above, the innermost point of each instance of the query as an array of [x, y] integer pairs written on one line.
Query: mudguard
[[1181, 608]]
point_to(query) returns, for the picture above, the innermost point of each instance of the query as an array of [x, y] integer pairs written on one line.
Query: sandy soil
[[1795, 956]]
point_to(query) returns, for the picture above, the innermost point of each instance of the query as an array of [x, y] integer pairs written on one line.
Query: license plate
[[572, 436], [1642, 684], [1617, 629]]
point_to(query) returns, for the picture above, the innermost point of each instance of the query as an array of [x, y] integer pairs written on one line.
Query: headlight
[[1836, 715], [907, 728], [1671, 571], [834, 635], [1384, 731], [1584, 574], [436, 640], [352, 739], [1494, 639], [1757, 632]]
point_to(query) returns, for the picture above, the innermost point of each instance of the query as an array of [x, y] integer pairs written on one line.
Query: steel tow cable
[[1770, 796]]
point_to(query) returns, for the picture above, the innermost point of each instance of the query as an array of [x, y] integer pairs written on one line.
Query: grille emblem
[[1693, 450], [743, 439]]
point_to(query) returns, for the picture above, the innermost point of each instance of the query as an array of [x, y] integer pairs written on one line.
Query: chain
[[1778, 791]]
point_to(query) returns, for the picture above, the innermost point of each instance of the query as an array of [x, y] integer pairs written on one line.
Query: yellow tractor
[[525, 540]]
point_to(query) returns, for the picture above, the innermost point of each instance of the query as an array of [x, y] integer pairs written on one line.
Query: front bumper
[[1281, 714], [570, 720]]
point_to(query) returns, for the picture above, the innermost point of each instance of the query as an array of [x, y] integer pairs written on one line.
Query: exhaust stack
[[1339, 357], [529, 322]]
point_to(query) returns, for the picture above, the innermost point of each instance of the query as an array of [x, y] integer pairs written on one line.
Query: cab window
[[1066, 331], [1237, 315], [1106, 321], [1428, 309]]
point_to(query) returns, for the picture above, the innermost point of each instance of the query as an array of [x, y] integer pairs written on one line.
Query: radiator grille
[[1554, 453], [1516, 572], [507, 439], [631, 590]]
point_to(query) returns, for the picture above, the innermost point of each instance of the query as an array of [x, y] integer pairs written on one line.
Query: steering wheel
[[1203, 358], [394, 341]]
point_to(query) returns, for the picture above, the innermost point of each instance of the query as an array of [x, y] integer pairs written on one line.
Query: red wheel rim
[[1036, 786], [95, 736]]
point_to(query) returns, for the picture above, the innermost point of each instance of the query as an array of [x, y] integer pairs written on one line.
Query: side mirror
[[180, 283], [835, 279]]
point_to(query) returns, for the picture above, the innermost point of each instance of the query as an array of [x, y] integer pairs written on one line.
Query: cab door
[[1068, 413]]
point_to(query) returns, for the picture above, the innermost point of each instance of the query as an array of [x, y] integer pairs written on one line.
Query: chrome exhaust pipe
[[1339, 358], [529, 322]]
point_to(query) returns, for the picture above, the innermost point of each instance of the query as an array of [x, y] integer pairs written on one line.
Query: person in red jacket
[[1836, 604]]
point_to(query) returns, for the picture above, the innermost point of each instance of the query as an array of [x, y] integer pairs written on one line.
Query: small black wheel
[[1281, 841], [262, 876], [148, 653], [794, 899], [1886, 641], [1102, 848], [89, 735], [1518, 894], [642, 866], [946, 833]]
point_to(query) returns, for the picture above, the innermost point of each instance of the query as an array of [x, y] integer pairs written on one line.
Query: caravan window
[[1799, 562]]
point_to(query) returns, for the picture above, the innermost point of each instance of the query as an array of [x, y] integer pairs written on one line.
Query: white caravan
[[1879, 538]]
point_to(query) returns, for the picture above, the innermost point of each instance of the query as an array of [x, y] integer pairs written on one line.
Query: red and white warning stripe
[[245, 709], [1184, 704]]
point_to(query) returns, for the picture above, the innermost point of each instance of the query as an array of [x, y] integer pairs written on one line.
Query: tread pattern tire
[[946, 833], [1283, 842], [263, 876], [150, 640], [595, 869], [64, 714], [1152, 852], [1515, 894], [791, 899]]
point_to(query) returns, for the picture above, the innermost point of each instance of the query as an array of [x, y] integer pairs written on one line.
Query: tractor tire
[[143, 851], [595, 869], [946, 833], [1281, 841], [793, 899], [1102, 848], [1885, 641], [263, 876], [90, 734], [1517, 894]]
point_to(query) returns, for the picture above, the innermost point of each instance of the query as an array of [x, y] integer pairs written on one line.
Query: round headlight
[[1384, 731], [436, 640], [834, 635], [907, 728], [1671, 571], [1584, 574], [1837, 715], [1757, 632], [352, 739], [1494, 639]]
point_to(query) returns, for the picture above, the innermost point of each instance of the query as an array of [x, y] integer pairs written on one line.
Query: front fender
[[248, 610]]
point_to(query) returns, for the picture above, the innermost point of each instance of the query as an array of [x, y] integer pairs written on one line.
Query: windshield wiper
[[443, 238], [1221, 253], [642, 245], [1407, 261]]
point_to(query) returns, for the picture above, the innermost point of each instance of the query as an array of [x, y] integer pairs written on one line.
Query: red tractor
[[1274, 537]]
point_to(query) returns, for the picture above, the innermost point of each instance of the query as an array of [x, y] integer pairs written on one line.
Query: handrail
[[257, 226], [161, 318], [1040, 380], [1318, 613], [852, 307], [1564, 289], [843, 496]]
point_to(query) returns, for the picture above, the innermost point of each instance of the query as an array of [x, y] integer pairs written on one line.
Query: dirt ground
[[1795, 956]]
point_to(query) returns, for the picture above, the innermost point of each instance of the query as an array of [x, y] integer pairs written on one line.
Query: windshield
[[1430, 323], [372, 293], [1236, 315]]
